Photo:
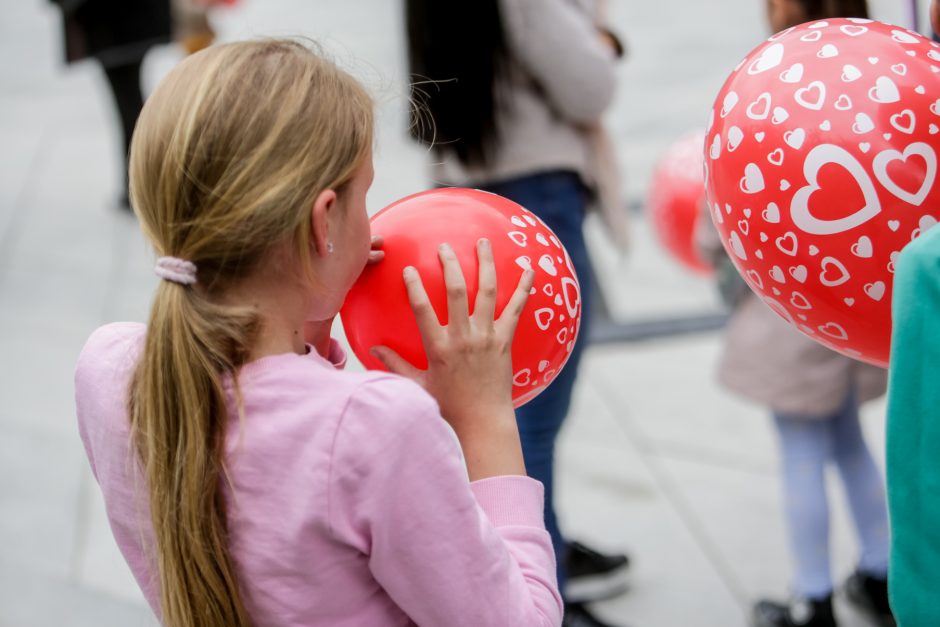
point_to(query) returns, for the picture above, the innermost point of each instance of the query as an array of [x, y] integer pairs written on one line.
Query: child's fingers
[[457, 316], [510, 317], [395, 362], [428, 324], [376, 254], [484, 307]]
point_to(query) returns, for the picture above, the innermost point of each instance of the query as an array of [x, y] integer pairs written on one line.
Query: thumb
[[395, 363]]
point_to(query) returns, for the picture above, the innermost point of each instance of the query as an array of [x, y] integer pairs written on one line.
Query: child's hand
[[469, 362], [376, 254]]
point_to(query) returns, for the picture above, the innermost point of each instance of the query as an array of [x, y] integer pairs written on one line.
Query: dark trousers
[[129, 100], [560, 200]]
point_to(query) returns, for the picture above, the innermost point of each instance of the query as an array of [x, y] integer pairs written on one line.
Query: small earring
[[329, 247]]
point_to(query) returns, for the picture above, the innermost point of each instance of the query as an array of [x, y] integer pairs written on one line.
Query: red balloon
[[377, 311], [676, 195], [821, 166]]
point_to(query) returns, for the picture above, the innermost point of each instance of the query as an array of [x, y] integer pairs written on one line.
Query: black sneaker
[[593, 576], [871, 595], [577, 615], [798, 612]]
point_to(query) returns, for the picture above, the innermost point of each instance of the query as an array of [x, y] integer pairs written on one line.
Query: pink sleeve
[[437, 544]]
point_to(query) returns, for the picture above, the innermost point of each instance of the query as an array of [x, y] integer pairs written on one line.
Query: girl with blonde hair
[[248, 480]]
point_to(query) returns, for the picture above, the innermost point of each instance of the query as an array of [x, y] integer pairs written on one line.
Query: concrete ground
[[655, 459]]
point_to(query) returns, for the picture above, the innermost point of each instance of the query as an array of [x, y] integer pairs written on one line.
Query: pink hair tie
[[176, 270]]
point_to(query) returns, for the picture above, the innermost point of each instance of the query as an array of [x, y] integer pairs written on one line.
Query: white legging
[[807, 445]]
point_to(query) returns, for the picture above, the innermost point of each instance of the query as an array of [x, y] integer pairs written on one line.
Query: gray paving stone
[[39, 495], [611, 495], [33, 599], [98, 564]]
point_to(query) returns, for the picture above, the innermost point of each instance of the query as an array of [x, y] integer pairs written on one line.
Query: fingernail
[[484, 243], [409, 272], [444, 248]]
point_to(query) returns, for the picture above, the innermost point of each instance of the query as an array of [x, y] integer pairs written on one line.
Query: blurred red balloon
[[377, 311], [821, 166], [676, 196]]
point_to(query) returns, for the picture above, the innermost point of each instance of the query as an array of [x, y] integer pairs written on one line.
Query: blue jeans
[[560, 200]]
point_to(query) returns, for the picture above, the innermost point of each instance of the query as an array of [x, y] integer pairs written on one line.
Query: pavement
[[655, 459]]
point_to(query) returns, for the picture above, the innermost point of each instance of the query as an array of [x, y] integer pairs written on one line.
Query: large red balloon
[[821, 163], [377, 311], [675, 200]]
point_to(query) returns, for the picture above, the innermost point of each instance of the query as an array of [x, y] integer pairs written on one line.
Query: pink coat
[[348, 502], [767, 361]]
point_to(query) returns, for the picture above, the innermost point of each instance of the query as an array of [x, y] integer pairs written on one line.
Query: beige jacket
[[767, 361], [561, 80]]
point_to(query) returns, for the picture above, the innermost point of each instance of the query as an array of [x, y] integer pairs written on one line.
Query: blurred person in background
[[118, 35], [508, 96], [814, 395]]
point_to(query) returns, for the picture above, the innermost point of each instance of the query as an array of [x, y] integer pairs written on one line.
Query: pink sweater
[[351, 503]]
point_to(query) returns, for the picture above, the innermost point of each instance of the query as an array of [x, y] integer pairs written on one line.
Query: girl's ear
[[320, 223]]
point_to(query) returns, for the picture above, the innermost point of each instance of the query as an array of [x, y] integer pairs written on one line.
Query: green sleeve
[[913, 456]]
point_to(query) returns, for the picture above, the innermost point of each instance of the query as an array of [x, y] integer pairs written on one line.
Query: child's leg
[[864, 487], [805, 448]]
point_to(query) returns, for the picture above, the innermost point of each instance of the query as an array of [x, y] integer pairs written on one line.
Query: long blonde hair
[[227, 158]]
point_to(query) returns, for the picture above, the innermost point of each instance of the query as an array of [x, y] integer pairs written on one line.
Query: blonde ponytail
[[228, 155]]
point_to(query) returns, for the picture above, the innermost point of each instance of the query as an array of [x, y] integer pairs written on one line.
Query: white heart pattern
[[816, 91], [863, 124], [735, 136], [819, 156], [731, 99], [834, 330], [876, 290], [753, 180], [793, 74], [843, 103], [787, 243], [904, 121], [799, 273], [853, 31], [795, 138], [880, 167], [772, 213], [547, 264], [737, 246], [850, 73], [768, 59], [800, 301], [715, 151], [863, 247], [830, 279], [885, 91], [903, 37], [760, 108], [755, 279]]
